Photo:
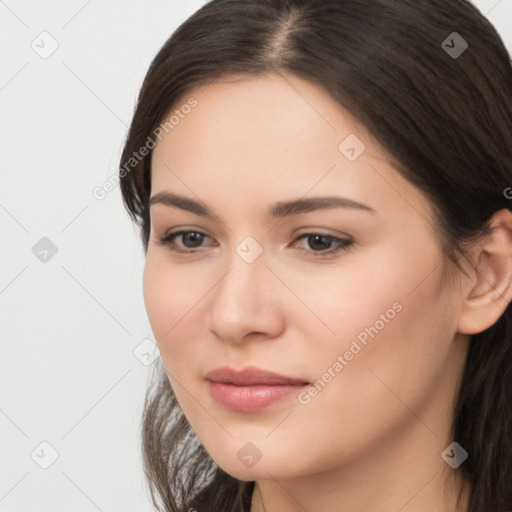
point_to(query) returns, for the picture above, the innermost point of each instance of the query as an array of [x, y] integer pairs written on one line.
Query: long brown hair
[[439, 102]]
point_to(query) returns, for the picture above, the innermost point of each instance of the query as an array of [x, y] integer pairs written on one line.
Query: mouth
[[251, 389]]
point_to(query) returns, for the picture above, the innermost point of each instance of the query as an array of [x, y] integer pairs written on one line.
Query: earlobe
[[490, 290]]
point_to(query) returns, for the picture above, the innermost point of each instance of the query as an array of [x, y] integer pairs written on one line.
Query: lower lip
[[251, 398]]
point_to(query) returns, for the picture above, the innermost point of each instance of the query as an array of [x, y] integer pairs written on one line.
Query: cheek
[[391, 356], [369, 394], [171, 298], [339, 303], [385, 315], [157, 289]]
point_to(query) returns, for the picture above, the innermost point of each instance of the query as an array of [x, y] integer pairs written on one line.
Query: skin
[[372, 438]]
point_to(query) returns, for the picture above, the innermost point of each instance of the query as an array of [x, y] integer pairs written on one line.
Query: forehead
[[271, 136], [268, 113]]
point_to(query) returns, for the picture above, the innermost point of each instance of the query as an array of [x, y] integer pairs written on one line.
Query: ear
[[490, 290]]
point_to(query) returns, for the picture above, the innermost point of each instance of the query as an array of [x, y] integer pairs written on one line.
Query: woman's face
[[345, 298]]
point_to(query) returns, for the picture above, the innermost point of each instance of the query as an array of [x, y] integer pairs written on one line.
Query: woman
[[321, 189]]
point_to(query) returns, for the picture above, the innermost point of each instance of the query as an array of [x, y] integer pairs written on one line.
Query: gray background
[[76, 345]]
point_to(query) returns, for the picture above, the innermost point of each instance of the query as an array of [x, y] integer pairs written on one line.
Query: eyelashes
[[342, 244]]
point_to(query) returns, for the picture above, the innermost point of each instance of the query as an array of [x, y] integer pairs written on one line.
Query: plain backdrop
[[76, 346]]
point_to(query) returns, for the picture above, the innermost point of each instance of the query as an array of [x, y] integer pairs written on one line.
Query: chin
[[278, 466]]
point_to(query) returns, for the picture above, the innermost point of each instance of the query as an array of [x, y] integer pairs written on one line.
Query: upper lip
[[250, 376]]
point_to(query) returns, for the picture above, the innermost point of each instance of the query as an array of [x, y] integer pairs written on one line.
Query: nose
[[245, 304]]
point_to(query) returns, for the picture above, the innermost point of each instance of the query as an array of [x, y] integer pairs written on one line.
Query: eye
[[319, 242], [194, 237]]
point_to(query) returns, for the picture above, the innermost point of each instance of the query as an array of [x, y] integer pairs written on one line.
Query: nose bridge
[[238, 289], [242, 301]]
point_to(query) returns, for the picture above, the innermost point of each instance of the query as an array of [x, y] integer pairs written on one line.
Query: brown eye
[[320, 243], [190, 240]]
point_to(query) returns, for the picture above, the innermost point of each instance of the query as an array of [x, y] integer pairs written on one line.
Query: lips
[[251, 376], [250, 389]]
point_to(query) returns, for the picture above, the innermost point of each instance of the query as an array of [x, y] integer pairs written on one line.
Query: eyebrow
[[279, 209]]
